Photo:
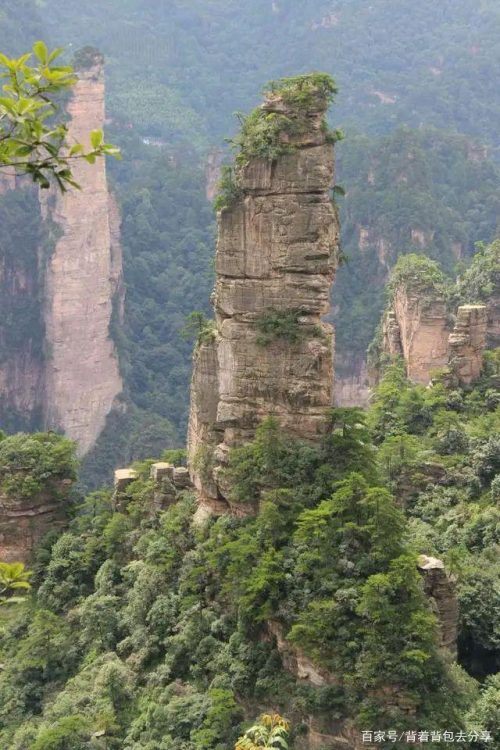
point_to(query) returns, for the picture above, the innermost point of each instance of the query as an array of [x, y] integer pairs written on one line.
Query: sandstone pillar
[[276, 259]]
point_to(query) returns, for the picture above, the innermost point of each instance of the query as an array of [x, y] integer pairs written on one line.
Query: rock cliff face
[[24, 522], [352, 387], [275, 263], [83, 274], [420, 327], [21, 363], [21, 319], [467, 342], [440, 589], [213, 169]]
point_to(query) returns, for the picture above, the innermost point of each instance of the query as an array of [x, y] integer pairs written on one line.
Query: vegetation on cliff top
[[481, 281], [35, 462], [419, 274], [268, 132]]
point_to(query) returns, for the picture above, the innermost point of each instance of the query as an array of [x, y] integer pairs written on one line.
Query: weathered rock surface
[[440, 589], [423, 327], [352, 388], [25, 521], [296, 662], [276, 254], [213, 169], [418, 329], [83, 274], [467, 342]]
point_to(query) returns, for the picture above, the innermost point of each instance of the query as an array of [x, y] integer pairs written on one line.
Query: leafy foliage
[[30, 143], [162, 622], [279, 324], [271, 731], [13, 578], [27, 462]]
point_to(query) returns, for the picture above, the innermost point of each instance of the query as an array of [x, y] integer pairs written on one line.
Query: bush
[[30, 462]]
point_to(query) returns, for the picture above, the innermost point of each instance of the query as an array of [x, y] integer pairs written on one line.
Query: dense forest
[[411, 182]]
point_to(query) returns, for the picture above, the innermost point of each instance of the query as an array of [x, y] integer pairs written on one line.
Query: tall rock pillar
[[83, 273], [270, 353]]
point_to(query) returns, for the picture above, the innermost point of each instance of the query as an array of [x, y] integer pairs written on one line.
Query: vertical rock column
[[467, 342], [83, 273], [276, 259], [423, 330]]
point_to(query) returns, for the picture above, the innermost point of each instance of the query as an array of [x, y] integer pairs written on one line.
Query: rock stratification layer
[[270, 352], [82, 276], [24, 522]]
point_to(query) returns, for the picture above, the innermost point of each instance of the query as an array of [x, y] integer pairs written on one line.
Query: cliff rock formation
[[21, 318], [352, 386], [24, 522], [481, 284], [83, 274], [467, 342], [60, 284], [419, 326], [270, 352], [37, 472], [440, 589]]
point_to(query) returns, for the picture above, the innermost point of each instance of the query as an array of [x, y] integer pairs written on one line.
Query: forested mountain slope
[[147, 632], [396, 61]]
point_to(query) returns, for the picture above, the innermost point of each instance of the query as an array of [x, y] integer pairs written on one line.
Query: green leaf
[[4, 60], [96, 138], [41, 52], [76, 149], [56, 53]]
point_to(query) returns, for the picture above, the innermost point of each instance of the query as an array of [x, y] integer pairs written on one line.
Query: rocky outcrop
[[296, 662], [213, 168], [481, 284], [25, 521], [37, 472], [419, 325], [275, 263], [168, 482], [419, 332], [440, 588], [467, 342], [83, 275], [418, 328]]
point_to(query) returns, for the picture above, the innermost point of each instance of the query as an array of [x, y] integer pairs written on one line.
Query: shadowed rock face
[[276, 255], [82, 275]]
